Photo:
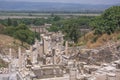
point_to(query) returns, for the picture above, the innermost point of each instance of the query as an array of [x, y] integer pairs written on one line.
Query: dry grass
[[93, 41], [7, 42]]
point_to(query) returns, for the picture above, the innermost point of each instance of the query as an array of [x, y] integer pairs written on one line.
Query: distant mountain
[[49, 7]]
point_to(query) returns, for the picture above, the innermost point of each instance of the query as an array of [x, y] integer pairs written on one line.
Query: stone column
[[9, 67], [111, 76], [117, 74], [41, 50], [45, 45], [61, 59], [31, 53], [66, 48], [34, 57], [10, 57], [73, 74], [20, 58], [23, 60], [118, 66], [42, 41], [10, 53], [53, 53]]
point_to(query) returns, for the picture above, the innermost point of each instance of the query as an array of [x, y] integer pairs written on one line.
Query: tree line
[[71, 27], [108, 22], [21, 32], [28, 21], [20, 28]]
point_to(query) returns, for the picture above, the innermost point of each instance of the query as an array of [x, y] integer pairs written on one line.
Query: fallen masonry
[[48, 59]]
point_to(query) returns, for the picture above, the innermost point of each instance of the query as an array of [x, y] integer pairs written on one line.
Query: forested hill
[[48, 6], [106, 28]]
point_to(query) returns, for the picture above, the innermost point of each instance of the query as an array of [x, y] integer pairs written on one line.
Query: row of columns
[[21, 59]]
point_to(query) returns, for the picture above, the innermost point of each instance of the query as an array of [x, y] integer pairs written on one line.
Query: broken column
[[73, 74], [53, 55], [31, 54], [118, 65], [10, 53], [23, 60], [10, 57], [117, 74], [34, 57], [100, 76], [56, 56], [111, 76], [41, 50], [66, 48], [42, 41], [20, 58], [46, 44]]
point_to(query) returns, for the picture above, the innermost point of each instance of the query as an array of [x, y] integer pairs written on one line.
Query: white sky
[[74, 1]]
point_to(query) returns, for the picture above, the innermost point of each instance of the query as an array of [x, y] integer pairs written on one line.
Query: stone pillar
[[54, 61], [118, 74], [9, 67], [43, 45], [66, 48], [41, 50], [23, 60], [118, 66], [73, 74], [60, 56], [20, 58], [82, 68], [31, 53], [46, 44], [42, 41], [34, 57], [53, 53], [101, 77], [111, 76], [10, 53], [10, 57]]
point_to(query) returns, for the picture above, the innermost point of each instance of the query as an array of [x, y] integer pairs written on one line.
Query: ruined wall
[[105, 54]]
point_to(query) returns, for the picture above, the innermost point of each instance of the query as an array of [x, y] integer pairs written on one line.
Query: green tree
[[9, 22], [22, 33], [22, 27], [108, 22], [24, 36], [10, 31], [15, 23], [73, 32], [56, 18], [53, 29]]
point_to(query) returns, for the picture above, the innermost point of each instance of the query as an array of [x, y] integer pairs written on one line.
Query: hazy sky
[[74, 1]]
